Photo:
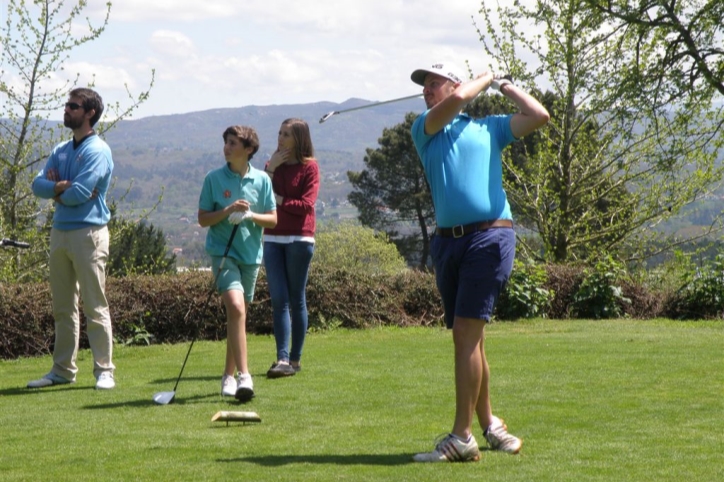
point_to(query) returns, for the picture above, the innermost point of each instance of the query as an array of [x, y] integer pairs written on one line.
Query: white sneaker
[[451, 449], [105, 381], [244, 388], [228, 386], [499, 439], [49, 380]]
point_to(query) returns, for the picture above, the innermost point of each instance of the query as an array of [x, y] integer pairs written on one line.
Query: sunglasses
[[73, 106]]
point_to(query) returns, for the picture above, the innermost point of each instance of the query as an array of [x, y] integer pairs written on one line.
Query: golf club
[[335, 112], [164, 398], [13, 243]]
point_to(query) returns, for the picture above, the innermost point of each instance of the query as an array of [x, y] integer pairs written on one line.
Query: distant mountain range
[[350, 132]]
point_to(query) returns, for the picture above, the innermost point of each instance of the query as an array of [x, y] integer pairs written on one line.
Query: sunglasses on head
[[73, 106]]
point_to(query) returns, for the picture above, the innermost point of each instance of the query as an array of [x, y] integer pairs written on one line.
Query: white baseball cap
[[447, 70]]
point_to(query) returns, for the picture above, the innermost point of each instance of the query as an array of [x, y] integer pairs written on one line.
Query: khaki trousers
[[78, 266]]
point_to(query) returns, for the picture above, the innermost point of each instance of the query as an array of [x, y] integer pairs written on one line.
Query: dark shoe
[[279, 370]]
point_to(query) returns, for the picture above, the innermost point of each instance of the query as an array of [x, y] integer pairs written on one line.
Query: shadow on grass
[[360, 459], [208, 399], [171, 381], [35, 391]]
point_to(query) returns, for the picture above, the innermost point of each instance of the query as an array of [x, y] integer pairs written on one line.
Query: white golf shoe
[[244, 387], [105, 381], [228, 386], [499, 439], [49, 380], [451, 449]]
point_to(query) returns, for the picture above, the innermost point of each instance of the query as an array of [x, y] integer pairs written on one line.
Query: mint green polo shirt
[[222, 187]]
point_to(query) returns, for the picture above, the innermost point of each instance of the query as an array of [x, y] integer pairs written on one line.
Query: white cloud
[[105, 77], [174, 44], [281, 51], [173, 10]]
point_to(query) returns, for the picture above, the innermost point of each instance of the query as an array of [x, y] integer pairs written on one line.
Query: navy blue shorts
[[472, 270]]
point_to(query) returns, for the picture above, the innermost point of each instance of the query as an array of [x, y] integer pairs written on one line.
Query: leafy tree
[[37, 39], [612, 163], [678, 45], [392, 194]]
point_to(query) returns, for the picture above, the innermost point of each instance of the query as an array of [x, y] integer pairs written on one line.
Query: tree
[[392, 194], [678, 47], [37, 39], [137, 247], [613, 162]]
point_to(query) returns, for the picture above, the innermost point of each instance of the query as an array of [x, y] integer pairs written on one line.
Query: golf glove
[[237, 216], [500, 80]]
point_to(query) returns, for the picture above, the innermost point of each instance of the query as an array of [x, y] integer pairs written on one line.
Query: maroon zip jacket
[[298, 184]]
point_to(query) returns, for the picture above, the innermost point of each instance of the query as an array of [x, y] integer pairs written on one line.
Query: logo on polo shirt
[[227, 194]]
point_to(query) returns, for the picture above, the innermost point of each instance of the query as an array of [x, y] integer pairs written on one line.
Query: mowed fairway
[[593, 400]]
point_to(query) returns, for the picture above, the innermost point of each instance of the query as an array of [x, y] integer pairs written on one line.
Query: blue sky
[[232, 53]]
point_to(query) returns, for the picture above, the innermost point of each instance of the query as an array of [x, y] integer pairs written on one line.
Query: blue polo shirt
[[222, 187], [464, 168]]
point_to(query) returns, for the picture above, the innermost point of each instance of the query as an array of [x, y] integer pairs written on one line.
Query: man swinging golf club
[[474, 243]]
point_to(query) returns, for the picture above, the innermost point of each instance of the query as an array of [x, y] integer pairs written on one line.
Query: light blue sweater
[[89, 167]]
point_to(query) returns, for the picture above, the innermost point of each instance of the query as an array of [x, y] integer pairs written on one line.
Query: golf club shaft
[[327, 116], [208, 299]]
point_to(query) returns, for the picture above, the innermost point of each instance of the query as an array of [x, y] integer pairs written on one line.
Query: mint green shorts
[[235, 276]]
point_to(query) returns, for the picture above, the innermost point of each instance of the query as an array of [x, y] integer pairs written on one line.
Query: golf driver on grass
[[164, 398]]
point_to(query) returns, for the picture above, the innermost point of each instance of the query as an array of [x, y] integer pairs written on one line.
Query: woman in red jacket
[[289, 247]]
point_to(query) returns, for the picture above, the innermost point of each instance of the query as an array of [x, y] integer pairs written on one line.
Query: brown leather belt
[[461, 230]]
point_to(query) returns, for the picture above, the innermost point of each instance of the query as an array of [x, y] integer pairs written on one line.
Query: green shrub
[[176, 308], [526, 294], [667, 276], [701, 294], [355, 248], [600, 295]]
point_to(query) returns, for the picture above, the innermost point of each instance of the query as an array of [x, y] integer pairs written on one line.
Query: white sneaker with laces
[[105, 381], [499, 439], [244, 388], [451, 449], [228, 386], [49, 380]]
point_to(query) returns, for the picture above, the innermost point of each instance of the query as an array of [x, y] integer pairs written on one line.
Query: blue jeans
[[287, 268]]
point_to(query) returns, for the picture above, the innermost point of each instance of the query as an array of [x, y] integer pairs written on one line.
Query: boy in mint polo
[[237, 193]]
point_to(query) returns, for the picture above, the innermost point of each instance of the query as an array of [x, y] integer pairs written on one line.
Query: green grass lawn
[[593, 400]]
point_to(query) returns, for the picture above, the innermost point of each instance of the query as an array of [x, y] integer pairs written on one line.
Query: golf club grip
[[13, 243], [231, 239]]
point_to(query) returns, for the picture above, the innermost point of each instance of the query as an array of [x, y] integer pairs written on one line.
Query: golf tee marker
[[244, 417]]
